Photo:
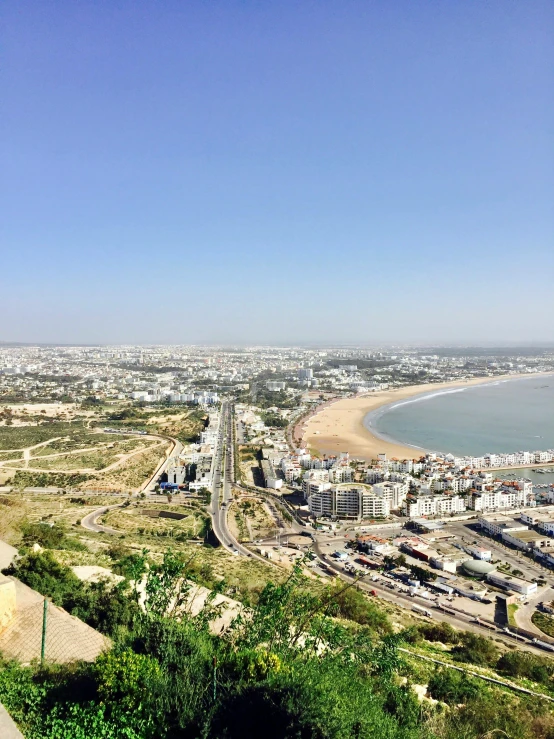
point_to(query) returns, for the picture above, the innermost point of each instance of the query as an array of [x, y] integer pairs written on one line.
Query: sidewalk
[[8, 730]]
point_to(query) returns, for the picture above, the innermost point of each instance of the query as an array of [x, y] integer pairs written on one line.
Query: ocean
[[504, 416]]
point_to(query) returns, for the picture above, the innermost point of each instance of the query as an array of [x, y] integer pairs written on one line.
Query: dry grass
[[97, 459], [131, 474], [132, 521]]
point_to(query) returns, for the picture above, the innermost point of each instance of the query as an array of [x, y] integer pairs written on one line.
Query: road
[[459, 620], [161, 468], [222, 482], [89, 521]]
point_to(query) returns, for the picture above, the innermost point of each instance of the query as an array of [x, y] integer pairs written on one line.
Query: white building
[[275, 386], [480, 553], [434, 505], [348, 501], [394, 492], [176, 473], [509, 582], [340, 474], [496, 500], [496, 526]]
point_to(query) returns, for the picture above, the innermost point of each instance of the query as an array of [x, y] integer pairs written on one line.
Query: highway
[[223, 473], [222, 483]]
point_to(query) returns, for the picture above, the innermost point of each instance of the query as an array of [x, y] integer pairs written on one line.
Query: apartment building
[[312, 486], [340, 474], [489, 500], [348, 501], [394, 492], [433, 505]]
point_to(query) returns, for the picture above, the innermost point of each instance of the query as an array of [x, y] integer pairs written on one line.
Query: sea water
[[504, 416]]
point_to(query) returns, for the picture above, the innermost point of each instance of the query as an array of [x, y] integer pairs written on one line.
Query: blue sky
[[265, 172]]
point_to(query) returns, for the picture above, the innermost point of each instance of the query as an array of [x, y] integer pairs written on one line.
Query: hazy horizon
[[321, 174]]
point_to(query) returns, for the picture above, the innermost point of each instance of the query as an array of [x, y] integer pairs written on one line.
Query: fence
[[42, 631]]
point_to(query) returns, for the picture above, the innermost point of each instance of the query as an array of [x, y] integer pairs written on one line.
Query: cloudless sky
[[186, 171]]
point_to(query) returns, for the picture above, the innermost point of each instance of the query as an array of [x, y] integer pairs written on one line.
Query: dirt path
[[79, 470]]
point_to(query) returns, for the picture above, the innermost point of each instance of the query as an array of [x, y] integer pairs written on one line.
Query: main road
[[222, 480]]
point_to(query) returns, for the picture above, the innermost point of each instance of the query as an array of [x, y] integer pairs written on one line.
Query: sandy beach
[[338, 426]]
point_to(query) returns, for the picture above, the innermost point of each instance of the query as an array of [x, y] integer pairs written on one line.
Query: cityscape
[[277, 370]]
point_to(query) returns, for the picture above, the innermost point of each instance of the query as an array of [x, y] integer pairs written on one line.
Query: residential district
[[463, 538]]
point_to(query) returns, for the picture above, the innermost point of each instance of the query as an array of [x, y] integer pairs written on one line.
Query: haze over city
[[277, 173]]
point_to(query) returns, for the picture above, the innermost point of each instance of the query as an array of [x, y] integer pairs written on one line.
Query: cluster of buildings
[[194, 467], [168, 373]]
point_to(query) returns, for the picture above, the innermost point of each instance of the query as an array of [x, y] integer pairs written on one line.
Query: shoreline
[[337, 426]]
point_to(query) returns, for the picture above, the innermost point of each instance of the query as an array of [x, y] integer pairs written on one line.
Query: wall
[[7, 602]]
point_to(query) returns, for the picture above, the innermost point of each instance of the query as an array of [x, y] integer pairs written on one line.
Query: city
[[277, 370]]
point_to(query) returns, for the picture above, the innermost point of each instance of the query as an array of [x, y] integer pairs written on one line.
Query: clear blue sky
[[186, 171]]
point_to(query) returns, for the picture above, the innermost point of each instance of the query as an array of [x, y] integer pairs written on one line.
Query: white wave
[[426, 397]]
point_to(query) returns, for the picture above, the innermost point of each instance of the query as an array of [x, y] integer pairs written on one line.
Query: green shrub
[[475, 649], [452, 686]]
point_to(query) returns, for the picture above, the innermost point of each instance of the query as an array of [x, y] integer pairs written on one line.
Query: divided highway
[[222, 480]]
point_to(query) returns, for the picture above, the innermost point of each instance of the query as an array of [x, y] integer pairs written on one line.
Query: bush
[[440, 632], [525, 664], [351, 603], [49, 537], [475, 649], [101, 605], [452, 686]]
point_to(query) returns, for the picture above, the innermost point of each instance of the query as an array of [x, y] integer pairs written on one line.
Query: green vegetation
[[274, 419], [512, 608], [26, 478], [453, 687], [19, 437], [285, 669], [181, 422], [543, 622], [103, 606], [9, 456], [352, 604], [269, 399], [421, 574], [49, 536], [525, 664]]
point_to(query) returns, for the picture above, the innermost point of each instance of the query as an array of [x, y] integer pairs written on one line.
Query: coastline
[[338, 426]]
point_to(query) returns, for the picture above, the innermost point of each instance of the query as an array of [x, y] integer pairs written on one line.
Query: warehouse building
[[509, 582]]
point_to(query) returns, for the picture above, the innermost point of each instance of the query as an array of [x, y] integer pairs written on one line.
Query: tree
[[475, 649], [421, 574]]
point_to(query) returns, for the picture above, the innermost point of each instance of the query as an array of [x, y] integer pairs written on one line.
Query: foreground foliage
[[285, 668]]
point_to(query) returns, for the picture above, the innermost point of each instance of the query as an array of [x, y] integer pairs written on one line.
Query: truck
[[168, 486], [543, 644], [422, 611]]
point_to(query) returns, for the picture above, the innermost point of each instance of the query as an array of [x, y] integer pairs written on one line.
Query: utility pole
[[215, 680]]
